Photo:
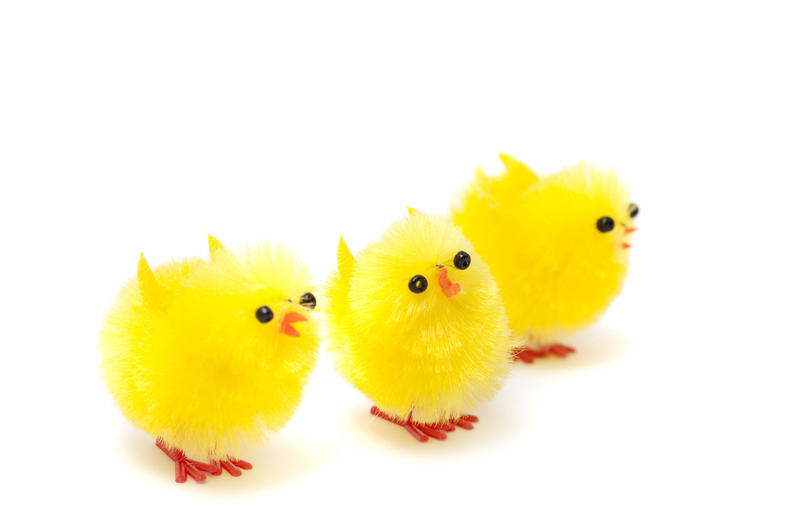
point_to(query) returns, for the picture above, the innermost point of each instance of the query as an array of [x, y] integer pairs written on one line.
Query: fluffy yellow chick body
[[558, 264], [189, 357], [435, 347]]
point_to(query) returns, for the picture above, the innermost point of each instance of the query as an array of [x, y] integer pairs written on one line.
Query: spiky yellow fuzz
[[186, 359], [430, 353], [556, 271]]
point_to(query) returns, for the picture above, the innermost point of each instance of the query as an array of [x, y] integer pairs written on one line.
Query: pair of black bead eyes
[[606, 223], [264, 314], [419, 283]]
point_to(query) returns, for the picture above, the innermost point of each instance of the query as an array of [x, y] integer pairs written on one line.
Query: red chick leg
[[195, 469], [528, 355], [559, 350], [183, 466], [234, 466], [231, 465], [422, 431]]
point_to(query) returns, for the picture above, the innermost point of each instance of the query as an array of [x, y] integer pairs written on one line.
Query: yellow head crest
[[153, 293], [344, 258]]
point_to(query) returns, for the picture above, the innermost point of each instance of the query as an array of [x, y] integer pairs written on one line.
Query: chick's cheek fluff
[[208, 355], [417, 324], [557, 246]]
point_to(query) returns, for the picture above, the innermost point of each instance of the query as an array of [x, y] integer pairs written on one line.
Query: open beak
[[286, 324], [629, 230], [448, 287]]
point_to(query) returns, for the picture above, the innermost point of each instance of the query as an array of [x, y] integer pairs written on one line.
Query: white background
[[141, 126]]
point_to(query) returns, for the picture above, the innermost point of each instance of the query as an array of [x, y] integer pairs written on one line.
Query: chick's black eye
[[633, 210], [462, 260], [264, 314], [605, 224], [308, 300], [418, 284]]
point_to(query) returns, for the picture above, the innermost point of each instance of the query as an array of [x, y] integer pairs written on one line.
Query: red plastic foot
[[422, 431], [560, 350], [231, 465], [185, 466], [528, 355]]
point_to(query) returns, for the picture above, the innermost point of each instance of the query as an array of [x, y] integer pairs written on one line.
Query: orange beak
[[448, 287], [629, 230], [286, 324]]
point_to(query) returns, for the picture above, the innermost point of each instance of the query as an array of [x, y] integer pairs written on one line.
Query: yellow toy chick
[[207, 355], [558, 247], [416, 323]]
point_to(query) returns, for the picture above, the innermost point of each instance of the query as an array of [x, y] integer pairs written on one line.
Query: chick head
[[422, 274], [583, 210], [570, 236], [253, 307]]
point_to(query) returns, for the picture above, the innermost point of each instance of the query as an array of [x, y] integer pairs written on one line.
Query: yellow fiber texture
[[187, 361], [435, 355], [556, 271]]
